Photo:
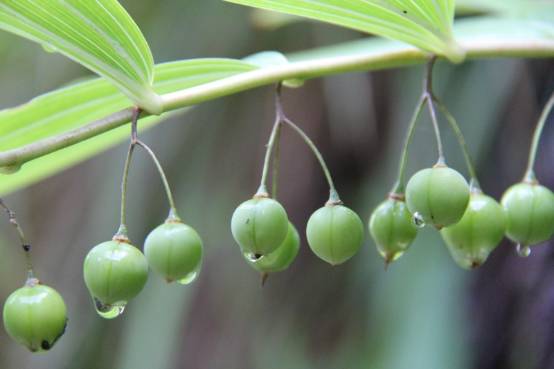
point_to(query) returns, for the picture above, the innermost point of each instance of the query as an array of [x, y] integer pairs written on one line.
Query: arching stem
[[333, 194], [530, 172], [400, 184], [122, 231], [172, 208], [461, 140], [26, 246], [262, 190], [334, 198], [428, 96], [276, 162]]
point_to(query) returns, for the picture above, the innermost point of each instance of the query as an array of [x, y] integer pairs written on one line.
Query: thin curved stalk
[[530, 172], [459, 135]]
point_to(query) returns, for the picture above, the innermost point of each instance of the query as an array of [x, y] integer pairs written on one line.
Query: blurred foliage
[[423, 312]]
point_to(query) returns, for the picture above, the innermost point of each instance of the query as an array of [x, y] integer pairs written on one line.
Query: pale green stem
[[459, 135], [276, 161], [428, 96], [401, 179], [122, 231], [262, 190], [333, 194], [530, 172], [172, 208], [123, 213], [322, 63]]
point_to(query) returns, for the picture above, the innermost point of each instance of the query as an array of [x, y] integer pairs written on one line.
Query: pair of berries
[[526, 217], [35, 316], [116, 271], [471, 223], [270, 242]]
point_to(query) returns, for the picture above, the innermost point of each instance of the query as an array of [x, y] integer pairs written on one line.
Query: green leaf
[[98, 34], [426, 24], [76, 105]]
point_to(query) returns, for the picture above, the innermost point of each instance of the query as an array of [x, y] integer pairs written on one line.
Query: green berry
[[259, 226], [530, 211], [282, 257], [115, 272], [476, 235], [392, 228], [438, 195], [335, 233], [35, 316], [173, 250]]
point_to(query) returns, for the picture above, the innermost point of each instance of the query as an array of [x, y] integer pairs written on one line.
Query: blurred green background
[[424, 312]]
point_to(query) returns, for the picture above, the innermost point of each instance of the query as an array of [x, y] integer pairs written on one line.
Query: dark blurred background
[[424, 312]]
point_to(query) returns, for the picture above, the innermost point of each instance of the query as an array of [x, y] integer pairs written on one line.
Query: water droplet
[[523, 251], [109, 311], [189, 278], [418, 220], [49, 48], [10, 169], [250, 256]]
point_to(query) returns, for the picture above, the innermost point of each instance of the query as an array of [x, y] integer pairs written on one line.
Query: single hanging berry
[[476, 235], [392, 228], [35, 316], [259, 226], [174, 250], [437, 195], [530, 210], [335, 233], [282, 257], [115, 272]]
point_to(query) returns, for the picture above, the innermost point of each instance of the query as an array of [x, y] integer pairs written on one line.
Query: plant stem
[[401, 179], [26, 246], [459, 135], [123, 213], [262, 190], [305, 65], [282, 118], [172, 208], [333, 194], [530, 173], [428, 96], [122, 231], [276, 162]]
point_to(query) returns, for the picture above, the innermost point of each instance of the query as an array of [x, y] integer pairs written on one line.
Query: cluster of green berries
[[115, 271], [471, 223], [270, 242]]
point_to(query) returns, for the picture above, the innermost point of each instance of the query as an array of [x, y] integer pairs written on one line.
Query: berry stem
[[428, 96], [262, 190], [282, 118], [172, 208], [276, 162], [333, 194], [26, 246], [400, 182], [122, 231], [461, 140], [530, 172]]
